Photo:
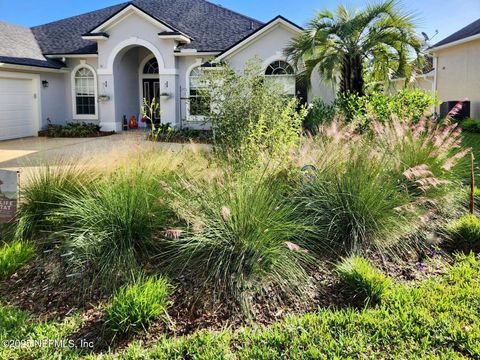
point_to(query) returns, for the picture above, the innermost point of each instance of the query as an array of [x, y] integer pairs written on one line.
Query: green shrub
[[108, 228], [255, 118], [409, 104], [318, 113], [465, 233], [41, 197], [13, 256], [242, 237], [470, 125], [363, 278], [136, 306], [166, 133], [79, 130]]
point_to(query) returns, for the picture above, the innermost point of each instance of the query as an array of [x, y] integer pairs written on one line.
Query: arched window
[[282, 72], [85, 93], [279, 68], [199, 102], [151, 67]]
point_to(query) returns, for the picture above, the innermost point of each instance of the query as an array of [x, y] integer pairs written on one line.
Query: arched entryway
[[136, 76]]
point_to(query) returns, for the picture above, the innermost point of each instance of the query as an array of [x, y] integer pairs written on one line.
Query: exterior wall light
[[45, 83]]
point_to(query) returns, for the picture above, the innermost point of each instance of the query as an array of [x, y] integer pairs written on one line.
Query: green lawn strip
[[15, 325]]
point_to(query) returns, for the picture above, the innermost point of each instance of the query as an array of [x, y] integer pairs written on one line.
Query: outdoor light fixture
[[45, 83], [166, 84]]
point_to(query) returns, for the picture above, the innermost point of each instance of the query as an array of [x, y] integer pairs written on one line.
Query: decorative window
[[279, 68], [199, 102], [282, 72], [85, 92], [151, 67]]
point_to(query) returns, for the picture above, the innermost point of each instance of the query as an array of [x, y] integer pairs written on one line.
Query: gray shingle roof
[[467, 31], [212, 27], [18, 46]]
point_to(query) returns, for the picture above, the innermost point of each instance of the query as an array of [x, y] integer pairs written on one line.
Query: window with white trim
[[151, 67], [282, 72], [85, 94], [199, 102]]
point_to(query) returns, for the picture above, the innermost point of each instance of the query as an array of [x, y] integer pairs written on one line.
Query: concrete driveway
[[33, 152]]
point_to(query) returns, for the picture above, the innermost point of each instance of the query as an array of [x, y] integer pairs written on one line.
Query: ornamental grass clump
[[465, 233], [242, 239], [108, 229], [137, 305], [376, 191], [41, 197], [363, 278]]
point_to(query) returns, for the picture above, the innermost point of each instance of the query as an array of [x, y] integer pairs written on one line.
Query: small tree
[[149, 110], [250, 115]]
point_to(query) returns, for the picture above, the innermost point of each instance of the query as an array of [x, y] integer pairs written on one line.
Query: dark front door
[[151, 90]]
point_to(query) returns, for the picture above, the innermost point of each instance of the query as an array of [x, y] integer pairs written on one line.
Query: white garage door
[[17, 108]]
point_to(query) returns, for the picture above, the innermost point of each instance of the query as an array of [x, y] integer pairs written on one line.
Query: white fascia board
[[454, 43], [36, 69], [94, 37], [72, 56], [196, 53], [257, 35], [179, 38]]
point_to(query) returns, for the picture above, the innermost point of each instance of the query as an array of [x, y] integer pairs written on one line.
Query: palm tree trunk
[[351, 80]]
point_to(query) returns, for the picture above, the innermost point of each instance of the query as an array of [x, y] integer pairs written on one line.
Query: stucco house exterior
[[456, 61], [98, 67]]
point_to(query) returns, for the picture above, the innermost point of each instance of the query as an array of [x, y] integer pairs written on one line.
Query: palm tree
[[379, 41]]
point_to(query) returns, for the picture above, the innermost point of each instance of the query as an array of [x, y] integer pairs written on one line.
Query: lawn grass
[[436, 319], [13, 256]]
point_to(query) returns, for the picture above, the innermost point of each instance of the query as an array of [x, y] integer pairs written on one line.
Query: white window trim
[[192, 118], [76, 116], [271, 60]]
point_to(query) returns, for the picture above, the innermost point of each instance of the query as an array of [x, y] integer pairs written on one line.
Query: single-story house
[[456, 62], [99, 66]]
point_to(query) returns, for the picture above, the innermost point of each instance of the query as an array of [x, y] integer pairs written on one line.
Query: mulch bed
[[44, 133], [41, 289]]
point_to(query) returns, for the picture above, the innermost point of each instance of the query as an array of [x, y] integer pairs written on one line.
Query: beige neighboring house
[[456, 61]]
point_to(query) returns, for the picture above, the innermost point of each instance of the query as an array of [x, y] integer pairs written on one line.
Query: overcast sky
[[447, 16]]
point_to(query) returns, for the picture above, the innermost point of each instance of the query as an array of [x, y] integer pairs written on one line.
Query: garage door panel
[[17, 110]]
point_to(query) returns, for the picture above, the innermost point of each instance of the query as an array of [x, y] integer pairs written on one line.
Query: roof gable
[[211, 27], [467, 32], [277, 21], [125, 12]]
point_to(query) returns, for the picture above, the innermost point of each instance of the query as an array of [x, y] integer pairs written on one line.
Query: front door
[[151, 90]]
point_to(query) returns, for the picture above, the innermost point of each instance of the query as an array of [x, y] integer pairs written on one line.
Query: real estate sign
[[8, 195]]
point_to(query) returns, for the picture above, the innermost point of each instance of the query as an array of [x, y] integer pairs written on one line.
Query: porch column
[[107, 116], [170, 99]]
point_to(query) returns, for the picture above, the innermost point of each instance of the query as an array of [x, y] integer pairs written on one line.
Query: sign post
[[8, 195]]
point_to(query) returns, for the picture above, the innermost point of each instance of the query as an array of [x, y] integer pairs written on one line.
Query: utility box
[[463, 114]]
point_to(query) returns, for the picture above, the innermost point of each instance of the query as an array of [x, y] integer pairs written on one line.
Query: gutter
[[8, 66], [454, 43]]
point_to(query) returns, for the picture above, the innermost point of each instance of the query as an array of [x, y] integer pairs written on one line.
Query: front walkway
[[33, 152]]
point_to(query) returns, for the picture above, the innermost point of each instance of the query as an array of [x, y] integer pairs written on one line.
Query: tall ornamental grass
[[41, 197], [107, 230], [373, 191], [242, 237]]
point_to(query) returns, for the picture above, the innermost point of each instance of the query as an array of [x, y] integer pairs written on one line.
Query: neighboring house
[[457, 67], [97, 67]]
